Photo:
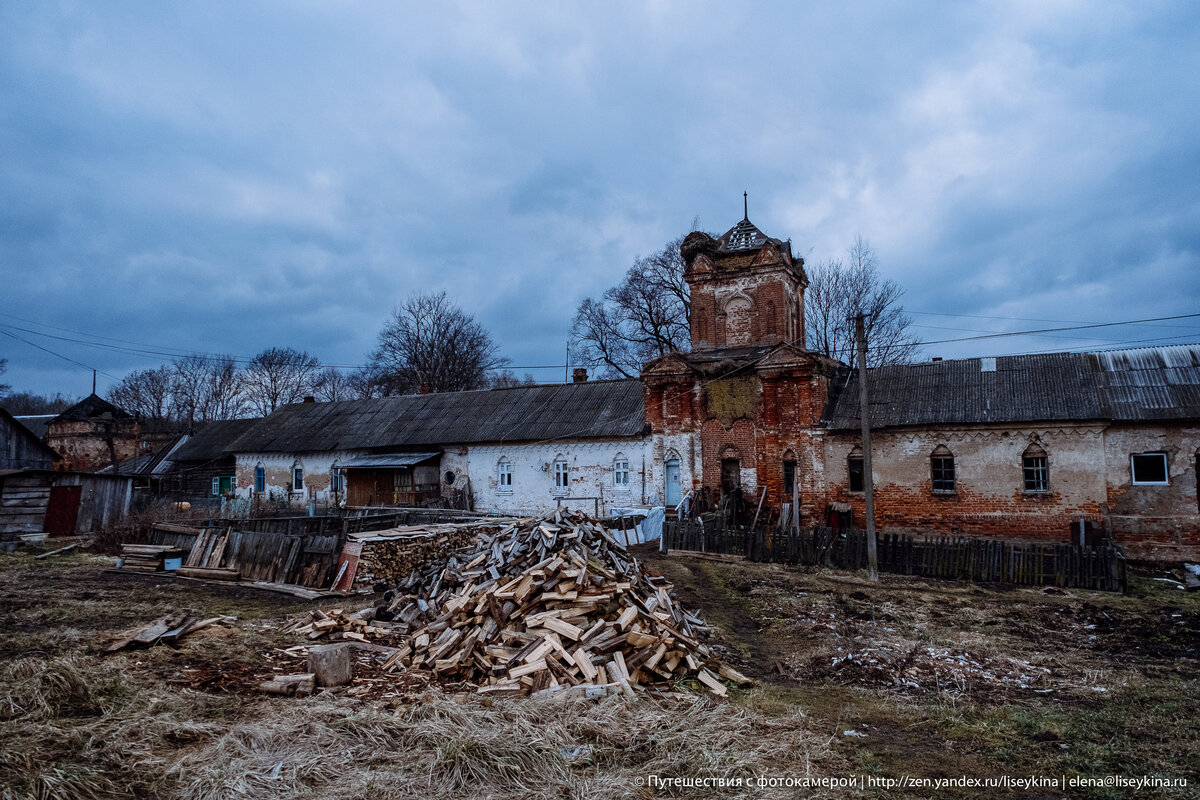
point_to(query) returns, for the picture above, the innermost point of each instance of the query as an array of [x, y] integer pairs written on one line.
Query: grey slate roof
[[36, 423], [212, 441], [521, 414], [1145, 384]]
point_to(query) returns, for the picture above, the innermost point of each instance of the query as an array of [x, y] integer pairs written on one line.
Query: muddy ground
[[905, 677]]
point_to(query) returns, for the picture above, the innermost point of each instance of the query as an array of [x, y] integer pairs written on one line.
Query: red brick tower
[[743, 408]]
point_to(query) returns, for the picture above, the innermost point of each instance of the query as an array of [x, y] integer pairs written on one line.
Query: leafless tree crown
[[278, 376], [430, 341], [645, 316], [837, 291]]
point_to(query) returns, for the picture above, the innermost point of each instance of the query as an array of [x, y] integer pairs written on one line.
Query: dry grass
[[77, 724]]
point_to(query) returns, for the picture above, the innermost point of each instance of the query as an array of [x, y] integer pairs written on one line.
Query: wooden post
[[864, 413]]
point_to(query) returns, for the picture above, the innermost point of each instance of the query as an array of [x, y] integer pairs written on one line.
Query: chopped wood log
[[211, 573]]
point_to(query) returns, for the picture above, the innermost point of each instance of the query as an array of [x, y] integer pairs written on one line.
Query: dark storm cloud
[[226, 178]]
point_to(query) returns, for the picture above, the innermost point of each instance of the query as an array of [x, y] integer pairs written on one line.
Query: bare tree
[[207, 388], [226, 396], [645, 316], [4, 387], [508, 379], [333, 384], [278, 376], [146, 393], [430, 341], [839, 290]]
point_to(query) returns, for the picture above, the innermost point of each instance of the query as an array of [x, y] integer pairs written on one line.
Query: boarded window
[[1036, 468], [1149, 469], [941, 468]]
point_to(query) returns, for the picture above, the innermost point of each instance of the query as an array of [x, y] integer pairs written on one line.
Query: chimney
[[426, 388], [579, 375], [310, 399], [937, 358]]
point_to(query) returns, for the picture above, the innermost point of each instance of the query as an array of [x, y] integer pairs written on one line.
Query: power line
[[1056, 330]]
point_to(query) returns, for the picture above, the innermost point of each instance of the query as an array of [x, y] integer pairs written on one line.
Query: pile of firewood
[[557, 602], [358, 626], [391, 556]]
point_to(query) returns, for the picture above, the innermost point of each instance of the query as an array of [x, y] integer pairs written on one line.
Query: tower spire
[[745, 206]]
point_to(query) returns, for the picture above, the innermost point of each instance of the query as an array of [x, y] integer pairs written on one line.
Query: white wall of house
[[277, 473], [591, 472]]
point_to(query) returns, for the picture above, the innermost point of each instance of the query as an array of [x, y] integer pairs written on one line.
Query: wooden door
[[62, 510], [673, 489]]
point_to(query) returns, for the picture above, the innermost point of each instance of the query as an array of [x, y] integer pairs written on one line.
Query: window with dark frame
[[297, 479], [941, 467], [1149, 469], [789, 480], [260, 479], [335, 479], [1035, 468]]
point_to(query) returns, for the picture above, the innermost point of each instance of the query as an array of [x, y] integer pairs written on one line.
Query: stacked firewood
[[357, 626], [392, 555], [556, 602]]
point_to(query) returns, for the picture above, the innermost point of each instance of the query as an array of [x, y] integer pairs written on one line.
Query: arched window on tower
[[770, 328]]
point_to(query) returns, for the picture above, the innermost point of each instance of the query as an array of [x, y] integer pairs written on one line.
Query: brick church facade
[[1019, 446]]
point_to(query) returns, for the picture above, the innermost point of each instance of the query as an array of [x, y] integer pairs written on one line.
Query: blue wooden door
[[673, 491]]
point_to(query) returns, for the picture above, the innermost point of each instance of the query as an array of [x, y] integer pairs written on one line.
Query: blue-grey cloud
[[226, 178]]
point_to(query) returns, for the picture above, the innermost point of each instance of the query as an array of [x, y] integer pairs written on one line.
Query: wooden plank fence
[[949, 557]]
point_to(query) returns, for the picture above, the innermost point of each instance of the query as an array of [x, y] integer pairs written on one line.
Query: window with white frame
[[1149, 469], [216, 486], [297, 478], [504, 475], [335, 479], [562, 474], [621, 471]]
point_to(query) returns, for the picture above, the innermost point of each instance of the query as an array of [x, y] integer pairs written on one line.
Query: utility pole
[[864, 413]]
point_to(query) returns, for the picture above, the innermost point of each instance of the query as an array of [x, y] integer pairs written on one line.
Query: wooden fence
[[951, 557]]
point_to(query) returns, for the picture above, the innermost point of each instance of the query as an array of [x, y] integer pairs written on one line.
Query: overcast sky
[[226, 177]]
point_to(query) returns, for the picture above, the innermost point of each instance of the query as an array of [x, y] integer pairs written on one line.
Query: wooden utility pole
[[864, 413]]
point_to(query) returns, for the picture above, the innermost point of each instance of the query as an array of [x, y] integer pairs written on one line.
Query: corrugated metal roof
[[1160, 383], [526, 413], [386, 460]]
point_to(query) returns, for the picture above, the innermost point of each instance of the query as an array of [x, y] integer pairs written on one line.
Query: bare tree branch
[[839, 290]]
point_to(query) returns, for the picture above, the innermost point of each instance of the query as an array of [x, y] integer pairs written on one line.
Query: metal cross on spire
[[745, 206]]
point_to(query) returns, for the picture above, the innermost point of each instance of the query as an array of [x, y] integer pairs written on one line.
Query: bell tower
[[747, 288]]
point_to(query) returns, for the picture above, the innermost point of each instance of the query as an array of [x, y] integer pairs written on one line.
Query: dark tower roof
[[744, 236], [89, 408]]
